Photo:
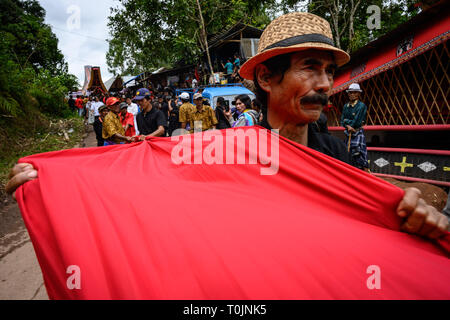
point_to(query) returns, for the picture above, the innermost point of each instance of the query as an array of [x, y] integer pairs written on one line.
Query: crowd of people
[[123, 119]]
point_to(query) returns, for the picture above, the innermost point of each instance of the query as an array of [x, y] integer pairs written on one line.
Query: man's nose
[[323, 82]]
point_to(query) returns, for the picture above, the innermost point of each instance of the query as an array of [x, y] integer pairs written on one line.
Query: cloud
[[82, 43]]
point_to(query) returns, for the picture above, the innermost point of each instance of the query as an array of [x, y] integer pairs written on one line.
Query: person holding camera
[[223, 113]]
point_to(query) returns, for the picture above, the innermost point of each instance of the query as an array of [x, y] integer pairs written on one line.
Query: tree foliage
[[32, 68], [147, 34], [348, 18]]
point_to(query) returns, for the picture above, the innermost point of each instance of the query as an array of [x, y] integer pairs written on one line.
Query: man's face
[[128, 101], [198, 102], [353, 95], [115, 108], [123, 111], [104, 112], [240, 106], [144, 104], [304, 89]]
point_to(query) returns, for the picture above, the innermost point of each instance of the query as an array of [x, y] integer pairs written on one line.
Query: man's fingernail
[[32, 174]]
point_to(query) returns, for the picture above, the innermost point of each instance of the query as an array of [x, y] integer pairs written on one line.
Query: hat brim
[[247, 69], [354, 90], [137, 98]]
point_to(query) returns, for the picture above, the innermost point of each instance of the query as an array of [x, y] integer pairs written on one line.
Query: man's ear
[[264, 77]]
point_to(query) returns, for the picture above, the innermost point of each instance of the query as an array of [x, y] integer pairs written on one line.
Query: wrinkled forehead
[[325, 57]]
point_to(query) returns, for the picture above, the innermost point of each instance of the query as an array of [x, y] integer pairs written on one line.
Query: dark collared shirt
[[324, 143], [149, 122], [354, 115]]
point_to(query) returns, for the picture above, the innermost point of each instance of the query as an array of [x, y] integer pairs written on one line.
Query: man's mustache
[[319, 98]]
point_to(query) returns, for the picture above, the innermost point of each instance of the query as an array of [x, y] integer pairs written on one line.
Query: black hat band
[[314, 37]]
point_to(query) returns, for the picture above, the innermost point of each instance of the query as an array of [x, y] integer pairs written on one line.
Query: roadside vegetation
[[34, 83], [40, 134]]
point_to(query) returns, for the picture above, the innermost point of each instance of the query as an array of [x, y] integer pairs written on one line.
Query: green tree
[[31, 65], [31, 41], [348, 18], [147, 34]]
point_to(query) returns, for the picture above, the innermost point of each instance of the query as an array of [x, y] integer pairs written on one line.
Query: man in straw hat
[[293, 76], [353, 118]]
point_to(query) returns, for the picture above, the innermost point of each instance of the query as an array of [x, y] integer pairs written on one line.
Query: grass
[[21, 138]]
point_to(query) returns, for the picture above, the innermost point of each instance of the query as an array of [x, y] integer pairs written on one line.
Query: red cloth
[[79, 103], [196, 74], [212, 231], [128, 119]]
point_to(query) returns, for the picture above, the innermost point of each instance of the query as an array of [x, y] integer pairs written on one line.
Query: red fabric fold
[[140, 226]]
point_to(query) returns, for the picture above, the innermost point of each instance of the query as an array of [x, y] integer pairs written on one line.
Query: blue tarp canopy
[[134, 78]]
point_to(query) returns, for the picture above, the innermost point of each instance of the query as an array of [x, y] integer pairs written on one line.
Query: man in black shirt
[[173, 116], [293, 76], [151, 121], [98, 125], [164, 105], [71, 103], [321, 124]]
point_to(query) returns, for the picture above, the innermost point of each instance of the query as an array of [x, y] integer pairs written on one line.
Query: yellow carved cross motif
[[403, 164]]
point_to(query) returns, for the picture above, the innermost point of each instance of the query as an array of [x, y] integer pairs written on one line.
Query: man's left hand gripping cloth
[[139, 221]]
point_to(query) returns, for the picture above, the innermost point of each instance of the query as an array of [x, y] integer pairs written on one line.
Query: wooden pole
[[205, 37], [349, 140]]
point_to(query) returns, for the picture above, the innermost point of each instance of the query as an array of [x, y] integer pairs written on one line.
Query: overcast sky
[[82, 43]]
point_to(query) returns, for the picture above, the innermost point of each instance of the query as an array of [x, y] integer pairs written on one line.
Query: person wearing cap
[[185, 110], [353, 118], [127, 120], [112, 131], [202, 118], [293, 76], [98, 124], [151, 121]]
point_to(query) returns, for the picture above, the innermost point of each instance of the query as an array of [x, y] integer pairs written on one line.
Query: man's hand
[[350, 129], [420, 218], [19, 174]]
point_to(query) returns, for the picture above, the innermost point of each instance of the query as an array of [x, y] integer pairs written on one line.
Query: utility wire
[[79, 34]]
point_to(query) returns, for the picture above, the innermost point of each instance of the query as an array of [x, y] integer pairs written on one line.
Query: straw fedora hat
[[292, 32]]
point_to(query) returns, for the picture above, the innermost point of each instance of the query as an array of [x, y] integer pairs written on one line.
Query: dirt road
[[20, 274]]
